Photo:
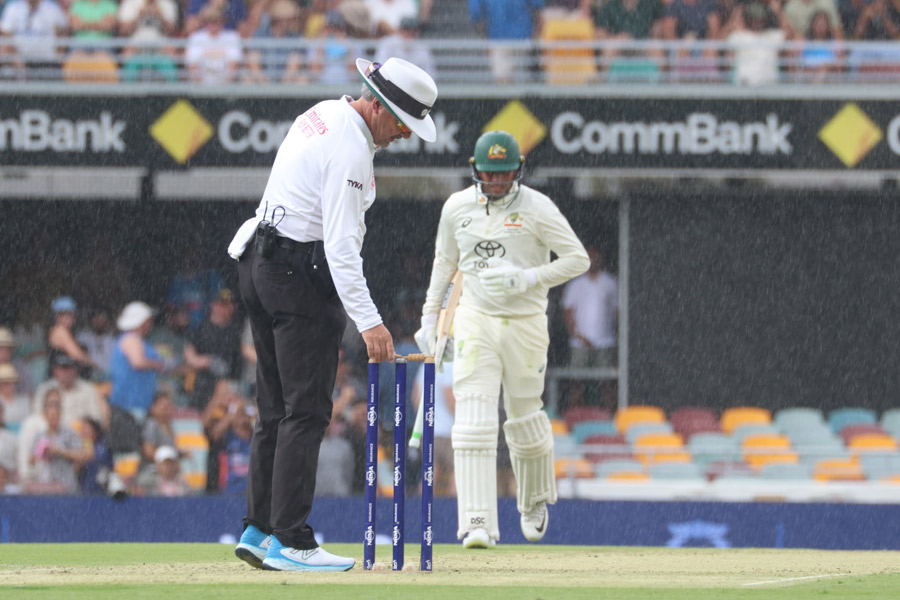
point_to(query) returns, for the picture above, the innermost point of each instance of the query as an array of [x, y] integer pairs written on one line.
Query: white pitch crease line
[[787, 579]]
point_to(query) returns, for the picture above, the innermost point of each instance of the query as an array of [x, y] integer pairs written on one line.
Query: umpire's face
[[385, 127]]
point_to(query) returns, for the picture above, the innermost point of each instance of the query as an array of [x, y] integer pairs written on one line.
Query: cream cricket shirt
[[324, 180], [523, 233]]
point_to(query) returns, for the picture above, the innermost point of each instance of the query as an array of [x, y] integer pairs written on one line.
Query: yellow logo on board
[[520, 123], [850, 134], [181, 131]]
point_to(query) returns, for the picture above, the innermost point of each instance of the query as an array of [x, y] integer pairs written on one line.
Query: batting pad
[[530, 440], [474, 437]]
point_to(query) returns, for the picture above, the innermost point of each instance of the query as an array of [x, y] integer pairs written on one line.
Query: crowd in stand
[[225, 41]]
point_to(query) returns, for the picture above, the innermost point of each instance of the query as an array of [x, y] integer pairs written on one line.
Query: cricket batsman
[[499, 234]]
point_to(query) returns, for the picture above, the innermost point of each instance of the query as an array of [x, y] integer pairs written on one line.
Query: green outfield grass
[[167, 571]]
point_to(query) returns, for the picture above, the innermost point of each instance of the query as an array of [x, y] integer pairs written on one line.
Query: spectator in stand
[[8, 355], [591, 308], [627, 20], [33, 26], [135, 363], [850, 11], [213, 53], [99, 342], [169, 341], [278, 20], [213, 350], [8, 487], [33, 425], [146, 22], [334, 475], [94, 477], [334, 54], [217, 418], [566, 9], [687, 21], [61, 337], [164, 478], [355, 434], [387, 15], [878, 21], [405, 44], [93, 19], [757, 42], [799, 15], [157, 431], [236, 448], [194, 287], [79, 397], [9, 446], [234, 12], [506, 21], [16, 406], [248, 353], [347, 388], [821, 58], [57, 454]]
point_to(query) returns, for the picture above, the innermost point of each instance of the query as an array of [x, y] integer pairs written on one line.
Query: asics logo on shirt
[[354, 184]]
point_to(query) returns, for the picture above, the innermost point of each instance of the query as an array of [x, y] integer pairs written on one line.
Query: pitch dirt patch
[[545, 566]]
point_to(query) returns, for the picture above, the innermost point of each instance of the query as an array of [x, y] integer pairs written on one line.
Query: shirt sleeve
[[572, 259], [345, 180], [446, 261]]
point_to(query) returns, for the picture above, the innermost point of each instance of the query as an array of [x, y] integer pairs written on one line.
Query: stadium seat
[[798, 417], [848, 432], [744, 415], [841, 417], [812, 451], [630, 415], [691, 420], [890, 422], [126, 465], [191, 440], [676, 470], [585, 413], [872, 443], [728, 469], [564, 446], [94, 67], [571, 65], [652, 448], [585, 429], [838, 469], [599, 448], [633, 70], [777, 470], [763, 448], [742, 431], [193, 468], [187, 425], [635, 431], [558, 426], [580, 468], [609, 468], [710, 447], [880, 466]]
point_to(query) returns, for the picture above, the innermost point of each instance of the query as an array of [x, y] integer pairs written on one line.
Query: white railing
[[476, 62]]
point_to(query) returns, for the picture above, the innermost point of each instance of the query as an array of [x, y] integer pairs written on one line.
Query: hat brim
[[424, 128]]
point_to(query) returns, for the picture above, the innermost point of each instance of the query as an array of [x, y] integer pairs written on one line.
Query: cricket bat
[[444, 324]]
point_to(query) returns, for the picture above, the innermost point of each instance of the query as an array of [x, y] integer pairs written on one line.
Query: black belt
[[292, 245]]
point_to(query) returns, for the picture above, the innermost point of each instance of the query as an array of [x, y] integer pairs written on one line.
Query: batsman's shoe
[[285, 558], [534, 522], [478, 538], [253, 546]]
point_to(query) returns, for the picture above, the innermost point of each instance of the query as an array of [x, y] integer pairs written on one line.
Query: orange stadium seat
[[764, 448], [872, 442], [654, 448], [628, 416], [96, 67], [744, 415], [581, 468], [838, 469]]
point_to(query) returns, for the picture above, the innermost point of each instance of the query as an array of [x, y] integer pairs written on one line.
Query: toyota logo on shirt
[[489, 249]]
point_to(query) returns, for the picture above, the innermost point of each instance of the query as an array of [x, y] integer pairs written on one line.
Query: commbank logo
[[181, 131], [850, 134], [520, 123]]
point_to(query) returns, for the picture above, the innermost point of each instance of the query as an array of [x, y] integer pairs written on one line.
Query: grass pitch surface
[[137, 571]]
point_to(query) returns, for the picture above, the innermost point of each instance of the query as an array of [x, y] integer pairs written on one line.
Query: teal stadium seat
[[841, 417], [565, 446], [610, 467], [635, 431], [585, 429], [711, 447], [890, 422], [880, 465], [676, 470], [742, 431], [786, 471], [798, 417]]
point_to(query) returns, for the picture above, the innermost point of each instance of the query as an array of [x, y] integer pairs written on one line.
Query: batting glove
[[502, 278], [426, 336]]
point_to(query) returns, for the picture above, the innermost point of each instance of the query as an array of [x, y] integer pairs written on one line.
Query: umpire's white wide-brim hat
[[133, 316], [408, 91]]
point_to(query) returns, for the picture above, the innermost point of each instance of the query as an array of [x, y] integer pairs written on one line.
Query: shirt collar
[[359, 122]]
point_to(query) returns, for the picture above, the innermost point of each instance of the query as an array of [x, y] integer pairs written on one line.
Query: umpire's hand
[[379, 344]]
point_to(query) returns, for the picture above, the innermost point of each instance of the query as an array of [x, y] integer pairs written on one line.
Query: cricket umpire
[[299, 267]]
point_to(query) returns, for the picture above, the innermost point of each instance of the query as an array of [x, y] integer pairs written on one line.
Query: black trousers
[[296, 333]]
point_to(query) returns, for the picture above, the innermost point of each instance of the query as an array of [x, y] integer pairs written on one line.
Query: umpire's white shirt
[[324, 180]]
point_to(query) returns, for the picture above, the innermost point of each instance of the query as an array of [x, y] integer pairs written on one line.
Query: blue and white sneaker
[[253, 546], [285, 558]]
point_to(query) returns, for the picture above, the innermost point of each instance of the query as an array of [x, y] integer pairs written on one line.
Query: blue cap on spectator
[[63, 304]]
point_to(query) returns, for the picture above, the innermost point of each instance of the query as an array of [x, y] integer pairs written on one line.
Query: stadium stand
[[744, 415]]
